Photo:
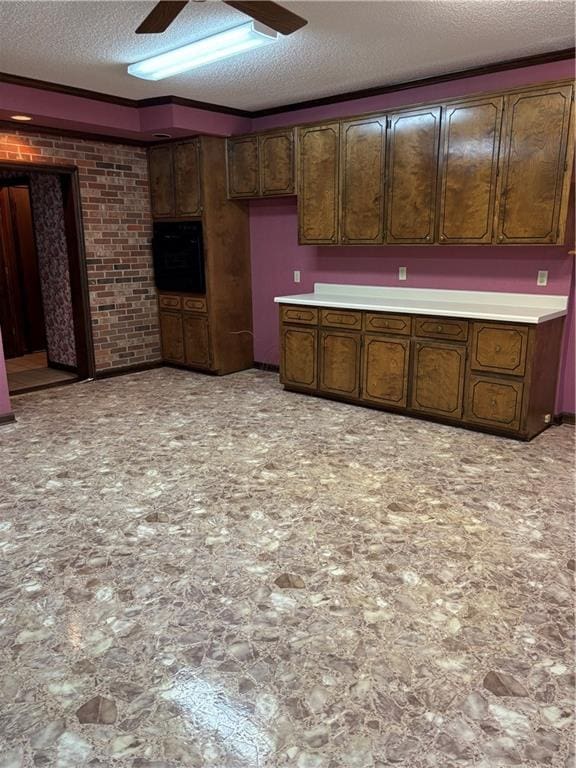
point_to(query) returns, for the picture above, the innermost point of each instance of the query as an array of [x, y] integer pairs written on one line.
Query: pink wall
[[5, 408], [276, 253]]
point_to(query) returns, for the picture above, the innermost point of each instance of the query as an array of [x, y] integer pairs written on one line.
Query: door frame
[[74, 232]]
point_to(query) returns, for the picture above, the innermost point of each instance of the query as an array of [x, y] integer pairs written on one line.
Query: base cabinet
[[171, 336], [492, 376], [385, 370], [196, 340], [438, 378], [299, 357], [340, 362]]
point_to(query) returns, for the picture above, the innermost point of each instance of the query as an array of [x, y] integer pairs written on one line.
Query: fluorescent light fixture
[[205, 51]]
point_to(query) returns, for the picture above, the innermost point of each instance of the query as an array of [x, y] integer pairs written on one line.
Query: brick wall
[[117, 231]]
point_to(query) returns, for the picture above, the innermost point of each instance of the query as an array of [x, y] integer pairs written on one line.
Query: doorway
[[44, 316]]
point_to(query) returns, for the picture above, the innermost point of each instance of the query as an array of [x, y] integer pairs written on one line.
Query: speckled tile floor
[[213, 572]]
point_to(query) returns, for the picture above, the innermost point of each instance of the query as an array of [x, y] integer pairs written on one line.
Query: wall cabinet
[[493, 376], [211, 332], [261, 165], [470, 143], [174, 171], [318, 179], [536, 166], [412, 175], [362, 170]]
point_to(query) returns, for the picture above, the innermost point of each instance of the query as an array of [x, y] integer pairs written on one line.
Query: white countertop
[[480, 305]]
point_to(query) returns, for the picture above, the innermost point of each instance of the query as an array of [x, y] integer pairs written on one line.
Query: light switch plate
[[401, 273], [542, 278], [296, 275]]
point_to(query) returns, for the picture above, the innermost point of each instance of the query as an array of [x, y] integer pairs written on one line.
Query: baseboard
[[139, 368], [266, 367], [7, 418], [565, 418], [62, 367]]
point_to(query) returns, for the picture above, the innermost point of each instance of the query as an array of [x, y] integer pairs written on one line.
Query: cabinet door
[[438, 378], [412, 175], [385, 370], [534, 172], [318, 184], [362, 171], [242, 154], [196, 340], [161, 180], [340, 363], [470, 142], [499, 348], [277, 163], [187, 179], [494, 402], [298, 366], [172, 336]]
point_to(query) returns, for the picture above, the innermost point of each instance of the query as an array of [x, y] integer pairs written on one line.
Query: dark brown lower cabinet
[[172, 336], [299, 356], [340, 362], [463, 372], [196, 340], [385, 370], [438, 378], [494, 402]]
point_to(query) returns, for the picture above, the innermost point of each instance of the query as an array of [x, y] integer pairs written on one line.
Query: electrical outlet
[[296, 275], [401, 273], [542, 278]]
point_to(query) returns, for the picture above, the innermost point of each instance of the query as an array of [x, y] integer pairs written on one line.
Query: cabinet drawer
[[306, 315], [499, 348], [341, 318], [495, 402], [396, 324], [441, 328], [194, 304], [169, 302]]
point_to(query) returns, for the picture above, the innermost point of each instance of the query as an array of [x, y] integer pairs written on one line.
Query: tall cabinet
[[210, 332]]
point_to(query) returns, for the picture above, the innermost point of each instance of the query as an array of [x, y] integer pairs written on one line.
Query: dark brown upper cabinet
[[242, 165], [318, 202], [362, 172], [469, 166], [536, 166], [412, 175], [276, 152], [261, 165], [175, 180], [161, 180], [187, 179]]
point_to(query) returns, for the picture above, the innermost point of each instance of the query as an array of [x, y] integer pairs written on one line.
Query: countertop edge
[[540, 315]]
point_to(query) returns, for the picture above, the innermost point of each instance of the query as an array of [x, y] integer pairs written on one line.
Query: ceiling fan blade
[[271, 14], [160, 17]]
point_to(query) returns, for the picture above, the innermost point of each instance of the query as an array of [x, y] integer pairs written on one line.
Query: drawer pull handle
[[493, 402], [440, 328], [498, 348]]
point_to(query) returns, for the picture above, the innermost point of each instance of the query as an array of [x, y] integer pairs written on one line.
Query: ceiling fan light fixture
[[231, 42]]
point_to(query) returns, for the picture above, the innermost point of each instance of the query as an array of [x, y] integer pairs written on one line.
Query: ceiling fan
[[271, 14]]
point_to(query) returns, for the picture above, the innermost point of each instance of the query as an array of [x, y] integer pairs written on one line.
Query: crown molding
[[525, 61]]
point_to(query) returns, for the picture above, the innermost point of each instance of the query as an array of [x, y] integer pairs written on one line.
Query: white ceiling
[[347, 45]]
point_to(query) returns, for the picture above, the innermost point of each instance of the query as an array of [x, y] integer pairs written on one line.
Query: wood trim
[[7, 418], [565, 418], [40, 387], [271, 367], [84, 93], [525, 61], [486, 69], [105, 138], [109, 373]]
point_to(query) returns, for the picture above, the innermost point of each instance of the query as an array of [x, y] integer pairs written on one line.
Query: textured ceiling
[[346, 45]]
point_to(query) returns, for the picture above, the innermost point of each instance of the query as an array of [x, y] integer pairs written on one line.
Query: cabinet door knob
[[428, 238], [500, 238], [442, 237], [498, 348], [440, 328], [493, 402]]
